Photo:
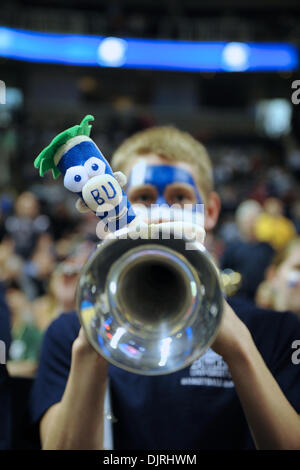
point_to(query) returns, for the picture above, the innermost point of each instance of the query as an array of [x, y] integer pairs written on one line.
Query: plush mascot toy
[[87, 173]]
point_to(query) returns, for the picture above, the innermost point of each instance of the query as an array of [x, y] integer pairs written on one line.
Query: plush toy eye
[[75, 178], [94, 166]]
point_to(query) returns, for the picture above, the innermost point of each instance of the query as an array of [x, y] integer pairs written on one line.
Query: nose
[[161, 201], [102, 193]]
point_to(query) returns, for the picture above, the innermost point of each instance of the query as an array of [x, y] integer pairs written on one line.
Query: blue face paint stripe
[[166, 174], [161, 176]]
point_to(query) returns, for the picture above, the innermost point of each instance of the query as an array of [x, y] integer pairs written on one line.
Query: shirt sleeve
[[284, 368], [54, 365], [274, 334]]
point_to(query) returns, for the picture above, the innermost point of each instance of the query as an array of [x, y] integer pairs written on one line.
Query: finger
[[81, 206], [120, 177]]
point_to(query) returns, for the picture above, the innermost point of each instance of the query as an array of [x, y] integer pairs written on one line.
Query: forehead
[[158, 175], [160, 167]]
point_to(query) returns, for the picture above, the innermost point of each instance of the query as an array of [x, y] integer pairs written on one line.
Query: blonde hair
[[170, 143]]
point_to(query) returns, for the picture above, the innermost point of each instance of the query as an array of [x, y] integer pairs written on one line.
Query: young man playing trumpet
[[242, 393]]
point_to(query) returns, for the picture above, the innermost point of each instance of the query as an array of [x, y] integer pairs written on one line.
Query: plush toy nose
[[102, 193]]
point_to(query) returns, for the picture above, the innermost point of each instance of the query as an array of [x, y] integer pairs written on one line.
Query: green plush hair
[[45, 160]]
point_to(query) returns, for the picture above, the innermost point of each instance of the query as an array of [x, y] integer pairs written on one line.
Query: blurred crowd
[[40, 260]]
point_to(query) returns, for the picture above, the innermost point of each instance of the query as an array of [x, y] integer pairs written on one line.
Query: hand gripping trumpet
[[146, 303]]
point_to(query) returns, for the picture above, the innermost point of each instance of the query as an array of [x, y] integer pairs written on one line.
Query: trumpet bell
[[150, 306]]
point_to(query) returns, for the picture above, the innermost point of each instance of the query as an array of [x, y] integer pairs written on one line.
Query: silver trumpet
[[150, 306]]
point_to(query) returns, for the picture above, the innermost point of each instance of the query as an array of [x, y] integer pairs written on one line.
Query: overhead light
[[112, 52], [235, 57]]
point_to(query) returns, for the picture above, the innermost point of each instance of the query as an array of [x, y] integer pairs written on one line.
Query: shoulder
[[66, 323], [61, 333], [251, 313], [54, 364], [271, 331]]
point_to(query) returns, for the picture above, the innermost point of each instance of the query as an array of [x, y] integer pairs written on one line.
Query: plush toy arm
[[81, 206], [120, 177]]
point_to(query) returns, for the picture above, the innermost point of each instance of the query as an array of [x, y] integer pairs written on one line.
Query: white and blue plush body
[[87, 173]]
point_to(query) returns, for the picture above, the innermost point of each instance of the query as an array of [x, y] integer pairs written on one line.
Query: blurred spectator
[[10, 263], [62, 221], [246, 217], [38, 290], [6, 206], [61, 293], [281, 288], [37, 269], [228, 230], [246, 255], [27, 224], [295, 215], [26, 337], [272, 226]]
